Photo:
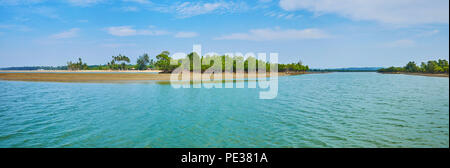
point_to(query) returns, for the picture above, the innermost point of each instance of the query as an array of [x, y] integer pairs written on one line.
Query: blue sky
[[321, 33]]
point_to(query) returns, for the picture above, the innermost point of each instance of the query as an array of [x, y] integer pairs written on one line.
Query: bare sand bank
[[80, 71], [419, 74], [75, 76]]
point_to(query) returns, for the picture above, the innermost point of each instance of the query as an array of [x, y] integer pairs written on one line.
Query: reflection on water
[[317, 110]]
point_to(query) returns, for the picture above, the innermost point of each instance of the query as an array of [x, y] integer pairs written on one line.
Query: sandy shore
[[130, 76], [419, 74], [81, 71]]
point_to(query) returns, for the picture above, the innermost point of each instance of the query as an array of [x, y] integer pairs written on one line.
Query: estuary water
[[314, 110]]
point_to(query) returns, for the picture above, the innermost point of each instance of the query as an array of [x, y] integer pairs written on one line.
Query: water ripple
[[326, 110]]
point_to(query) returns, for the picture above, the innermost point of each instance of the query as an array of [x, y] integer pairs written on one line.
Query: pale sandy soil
[[65, 76], [81, 71]]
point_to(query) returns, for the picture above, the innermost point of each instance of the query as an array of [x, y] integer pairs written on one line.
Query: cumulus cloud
[[276, 34], [130, 31], [66, 34], [384, 11], [186, 34]]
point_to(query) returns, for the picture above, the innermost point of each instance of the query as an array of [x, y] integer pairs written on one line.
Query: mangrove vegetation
[[432, 67], [167, 64]]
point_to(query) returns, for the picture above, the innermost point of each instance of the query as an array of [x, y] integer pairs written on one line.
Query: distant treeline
[[362, 69], [167, 64], [440, 66], [32, 68], [77, 65]]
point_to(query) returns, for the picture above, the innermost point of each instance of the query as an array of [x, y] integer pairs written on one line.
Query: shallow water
[[315, 110]]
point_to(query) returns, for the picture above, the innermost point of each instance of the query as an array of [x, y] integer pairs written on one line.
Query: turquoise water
[[316, 110]]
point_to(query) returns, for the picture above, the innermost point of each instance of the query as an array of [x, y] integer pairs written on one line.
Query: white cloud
[[67, 34], [186, 34], [19, 2], [190, 9], [282, 15], [46, 12], [130, 9], [130, 31], [72, 2], [289, 16], [276, 34], [404, 12], [152, 32], [21, 19], [117, 45], [401, 43], [84, 2], [138, 1], [265, 1], [122, 31], [428, 33], [16, 27]]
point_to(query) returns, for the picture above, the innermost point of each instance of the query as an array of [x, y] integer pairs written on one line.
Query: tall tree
[[411, 67], [142, 61], [163, 62], [77, 65], [119, 62]]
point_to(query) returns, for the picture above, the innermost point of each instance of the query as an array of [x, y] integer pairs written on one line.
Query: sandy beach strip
[[80, 71], [76, 76]]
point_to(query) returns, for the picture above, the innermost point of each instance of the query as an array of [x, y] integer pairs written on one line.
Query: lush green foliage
[[225, 63], [440, 66], [142, 61], [234, 64], [163, 62], [119, 62], [292, 67], [77, 65], [351, 69]]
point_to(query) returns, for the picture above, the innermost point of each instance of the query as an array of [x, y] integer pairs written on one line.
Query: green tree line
[[208, 62], [439, 66], [77, 65], [167, 64]]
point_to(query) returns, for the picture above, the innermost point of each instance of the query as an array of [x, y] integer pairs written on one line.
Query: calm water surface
[[317, 110]]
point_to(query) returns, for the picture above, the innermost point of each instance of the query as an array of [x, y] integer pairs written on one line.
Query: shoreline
[[417, 74], [79, 71], [126, 76]]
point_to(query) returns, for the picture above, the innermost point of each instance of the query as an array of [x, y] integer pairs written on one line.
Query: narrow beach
[[107, 77]]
